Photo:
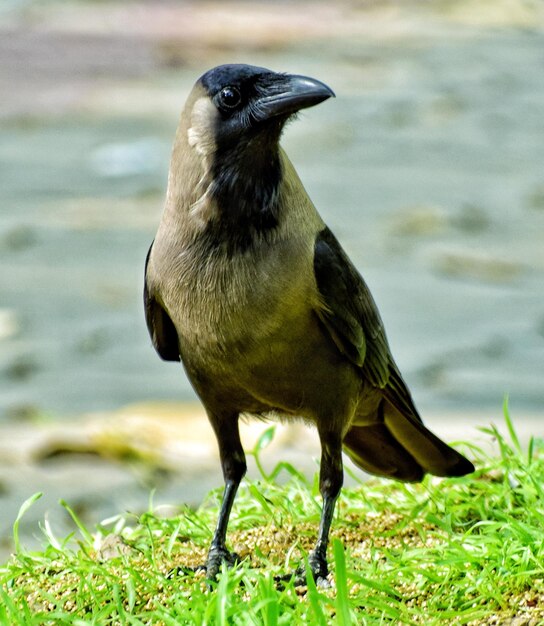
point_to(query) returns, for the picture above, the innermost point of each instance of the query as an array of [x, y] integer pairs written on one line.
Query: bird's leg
[[331, 477], [218, 551], [233, 464]]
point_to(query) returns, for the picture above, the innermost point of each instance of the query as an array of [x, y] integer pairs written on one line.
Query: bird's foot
[[317, 563], [212, 566], [216, 556], [317, 560]]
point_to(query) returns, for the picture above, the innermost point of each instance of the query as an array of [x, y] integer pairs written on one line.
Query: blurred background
[[428, 166]]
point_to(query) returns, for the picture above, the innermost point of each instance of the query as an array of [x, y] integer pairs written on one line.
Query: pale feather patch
[[200, 135], [203, 210]]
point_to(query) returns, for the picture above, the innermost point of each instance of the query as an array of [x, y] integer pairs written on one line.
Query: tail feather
[[374, 450], [398, 445], [435, 456]]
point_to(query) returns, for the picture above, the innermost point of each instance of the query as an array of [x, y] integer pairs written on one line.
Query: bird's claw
[[216, 556], [212, 566], [317, 562]]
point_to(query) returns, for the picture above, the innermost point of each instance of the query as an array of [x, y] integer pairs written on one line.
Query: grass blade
[[315, 598], [510, 425], [24, 508], [342, 593], [86, 534], [530, 450]]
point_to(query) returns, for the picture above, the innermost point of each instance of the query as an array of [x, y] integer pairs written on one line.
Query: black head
[[249, 98], [234, 121]]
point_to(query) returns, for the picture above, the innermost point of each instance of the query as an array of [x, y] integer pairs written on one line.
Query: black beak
[[290, 93]]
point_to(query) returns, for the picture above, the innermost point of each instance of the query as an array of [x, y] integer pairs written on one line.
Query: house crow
[[246, 285]]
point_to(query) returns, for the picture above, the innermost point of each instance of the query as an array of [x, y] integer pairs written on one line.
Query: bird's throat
[[245, 190]]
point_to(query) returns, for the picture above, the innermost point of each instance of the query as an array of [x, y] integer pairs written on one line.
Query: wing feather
[[349, 312], [161, 328]]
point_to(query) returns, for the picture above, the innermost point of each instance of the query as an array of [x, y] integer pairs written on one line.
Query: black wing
[[351, 317], [397, 444], [349, 312], [161, 328]]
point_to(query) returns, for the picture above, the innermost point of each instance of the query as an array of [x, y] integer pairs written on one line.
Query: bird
[[247, 286]]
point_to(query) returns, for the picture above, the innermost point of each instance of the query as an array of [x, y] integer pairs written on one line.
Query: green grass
[[463, 551]]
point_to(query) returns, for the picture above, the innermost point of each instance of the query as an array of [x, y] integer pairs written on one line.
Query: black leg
[[331, 477], [233, 463]]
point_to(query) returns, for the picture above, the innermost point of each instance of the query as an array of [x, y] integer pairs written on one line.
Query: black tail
[[398, 445]]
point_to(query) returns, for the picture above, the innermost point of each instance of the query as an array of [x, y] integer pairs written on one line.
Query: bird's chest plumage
[[243, 306], [232, 308]]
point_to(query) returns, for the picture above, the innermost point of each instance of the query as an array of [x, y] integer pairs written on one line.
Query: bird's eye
[[230, 97]]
